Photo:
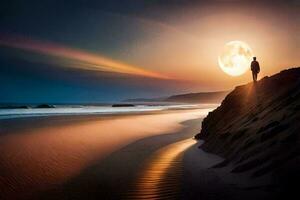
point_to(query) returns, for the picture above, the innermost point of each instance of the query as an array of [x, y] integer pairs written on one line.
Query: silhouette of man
[[255, 69]]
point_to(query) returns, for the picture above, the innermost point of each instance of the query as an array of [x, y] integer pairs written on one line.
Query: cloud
[[79, 58]]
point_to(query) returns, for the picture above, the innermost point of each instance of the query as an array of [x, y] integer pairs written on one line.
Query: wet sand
[[120, 175], [160, 177], [71, 157]]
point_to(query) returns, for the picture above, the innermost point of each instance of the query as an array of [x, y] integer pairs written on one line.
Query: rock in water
[[123, 105], [45, 106]]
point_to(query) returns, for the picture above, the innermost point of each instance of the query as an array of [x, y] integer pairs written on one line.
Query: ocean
[[60, 110]]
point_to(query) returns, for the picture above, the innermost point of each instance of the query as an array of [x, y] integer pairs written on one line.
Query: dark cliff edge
[[257, 130]]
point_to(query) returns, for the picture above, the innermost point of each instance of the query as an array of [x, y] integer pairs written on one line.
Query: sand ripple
[[161, 177]]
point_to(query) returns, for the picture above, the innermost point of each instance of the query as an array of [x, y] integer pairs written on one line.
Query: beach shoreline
[[40, 154], [114, 176]]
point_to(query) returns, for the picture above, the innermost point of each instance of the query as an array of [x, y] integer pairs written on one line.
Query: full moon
[[235, 58]]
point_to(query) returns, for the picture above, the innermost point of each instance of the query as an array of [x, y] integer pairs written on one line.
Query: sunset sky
[[72, 51]]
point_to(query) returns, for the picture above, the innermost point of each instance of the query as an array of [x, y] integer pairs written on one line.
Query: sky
[[79, 51]]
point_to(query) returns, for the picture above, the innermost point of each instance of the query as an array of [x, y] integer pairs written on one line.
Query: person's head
[[254, 58]]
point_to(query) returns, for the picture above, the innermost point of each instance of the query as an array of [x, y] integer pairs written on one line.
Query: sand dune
[[256, 129]]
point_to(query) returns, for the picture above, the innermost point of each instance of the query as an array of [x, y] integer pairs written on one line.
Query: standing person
[[255, 69]]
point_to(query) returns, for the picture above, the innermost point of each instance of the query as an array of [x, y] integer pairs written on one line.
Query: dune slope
[[257, 129]]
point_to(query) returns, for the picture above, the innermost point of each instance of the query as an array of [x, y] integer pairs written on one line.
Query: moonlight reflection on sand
[[36, 158], [160, 178]]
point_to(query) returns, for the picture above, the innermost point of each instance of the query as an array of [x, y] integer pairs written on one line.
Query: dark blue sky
[[74, 23], [111, 28]]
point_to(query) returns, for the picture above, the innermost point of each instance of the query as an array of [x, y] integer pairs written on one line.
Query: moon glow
[[235, 58]]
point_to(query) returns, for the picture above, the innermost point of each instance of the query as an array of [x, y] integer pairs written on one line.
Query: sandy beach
[[149, 100], [145, 156], [47, 155]]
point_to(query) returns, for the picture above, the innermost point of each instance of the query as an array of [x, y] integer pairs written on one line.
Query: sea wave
[[92, 110]]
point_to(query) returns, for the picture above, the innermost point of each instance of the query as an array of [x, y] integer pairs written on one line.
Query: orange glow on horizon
[[186, 47]]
